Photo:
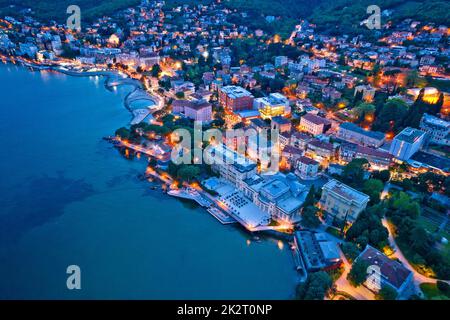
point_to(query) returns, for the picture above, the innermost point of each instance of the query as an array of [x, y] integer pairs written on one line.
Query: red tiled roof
[[395, 273], [316, 119], [307, 160]]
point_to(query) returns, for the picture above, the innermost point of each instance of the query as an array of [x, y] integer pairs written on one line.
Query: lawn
[[431, 292], [432, 226]]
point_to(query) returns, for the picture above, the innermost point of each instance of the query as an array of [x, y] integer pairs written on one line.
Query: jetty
[[221, 216], [190, 194]]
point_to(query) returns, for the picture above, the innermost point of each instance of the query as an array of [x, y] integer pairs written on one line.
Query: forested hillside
[[335, 15]]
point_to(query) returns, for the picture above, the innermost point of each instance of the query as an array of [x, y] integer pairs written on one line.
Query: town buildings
[[316, 250], [353, 133], [280, 195], [406, 143], [379, 160], [386, 272], [235, 98], [313, 124], [274, 105], [341, 201], [197, 110], [306, 168], [438, 130]]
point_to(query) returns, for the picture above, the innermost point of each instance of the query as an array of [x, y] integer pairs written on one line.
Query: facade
[[407, 143], [281, 124], [291, 154], [300, 140], [195, 110], [235, 98], [320, 150], [313, 124], [342, 201], [280, 195], [368, 92], [231, 166], [274, 105], [353, 133], [307, 168], [387, 272], [437, 129], [380, 160]]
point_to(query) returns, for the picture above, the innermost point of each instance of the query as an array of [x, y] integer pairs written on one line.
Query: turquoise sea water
[[68, 197]]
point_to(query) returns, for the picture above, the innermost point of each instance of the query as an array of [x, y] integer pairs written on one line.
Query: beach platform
[[190, 194], [221, 216]]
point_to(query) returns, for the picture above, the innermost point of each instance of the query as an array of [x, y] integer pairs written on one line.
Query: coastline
[[112, 79], [137, 93]]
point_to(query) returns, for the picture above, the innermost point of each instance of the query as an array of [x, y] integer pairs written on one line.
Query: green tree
[[358, 273], [179, 94], [188, 172], [123, 133], [386, 293], [373, 188], [353, 173], [156, 70], [350, 250], [362, 110], [315, 287], [383, 175], [310, 218], [391, 116], [311, 197]]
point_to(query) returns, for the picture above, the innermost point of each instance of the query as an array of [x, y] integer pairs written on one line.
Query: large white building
[[437, 129], [342, 201], [231, 166], [307, 168], [407, 143], [313, 124], [282, 196], [279, 195], [274, 105]]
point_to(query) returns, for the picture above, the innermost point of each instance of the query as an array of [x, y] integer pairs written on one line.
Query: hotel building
[[234, 98], [407, 143], [342, 201], [313, 124], [307, 168], [437, 129], [274, 105]]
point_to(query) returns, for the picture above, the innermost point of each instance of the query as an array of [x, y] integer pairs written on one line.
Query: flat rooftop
[[432, 161], [345, 191], [409, 135], [236, 92], [316, 119], [222, 153], [355, 128], [435, 121]]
